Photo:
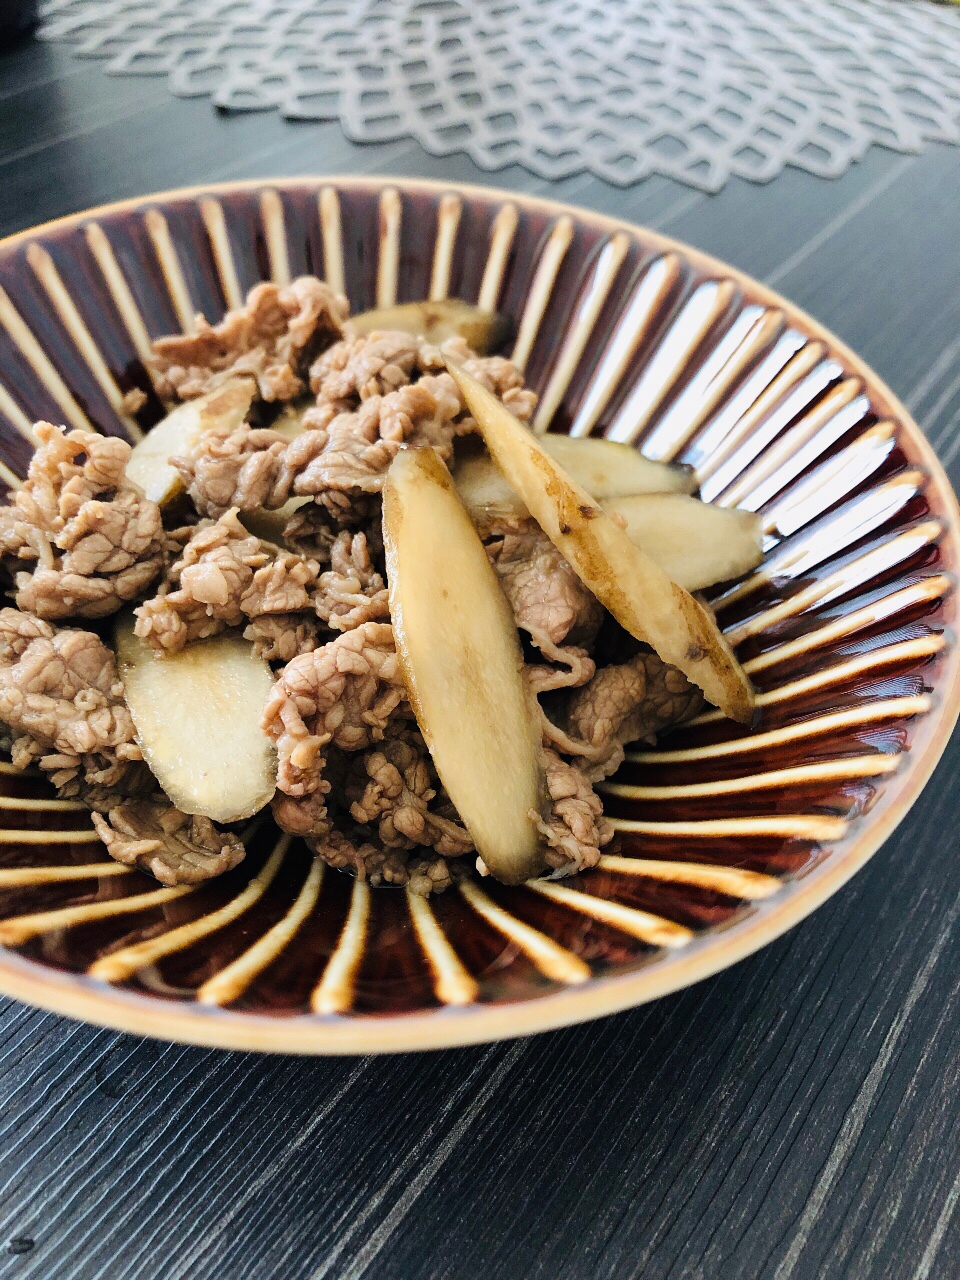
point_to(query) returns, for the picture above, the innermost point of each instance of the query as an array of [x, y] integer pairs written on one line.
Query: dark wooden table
[[794, 1118]]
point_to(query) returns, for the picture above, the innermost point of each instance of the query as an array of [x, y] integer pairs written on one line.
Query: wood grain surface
[[793, 1118]]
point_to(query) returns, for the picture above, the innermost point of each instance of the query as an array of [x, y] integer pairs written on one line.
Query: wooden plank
[[793, 1118]]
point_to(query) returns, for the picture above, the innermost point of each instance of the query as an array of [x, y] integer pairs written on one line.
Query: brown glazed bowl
[[726, 836]]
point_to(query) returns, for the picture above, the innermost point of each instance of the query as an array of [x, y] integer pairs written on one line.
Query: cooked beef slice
[[352, 591], [377, 363], [620, 704], [61, 699], [574, 827], [272, 338], [62, 702], [281, 637], [225, 577], [80, 539], [345, 693], [393, 785], [339, 457], [174, 847], [379, 865], [375, 393]]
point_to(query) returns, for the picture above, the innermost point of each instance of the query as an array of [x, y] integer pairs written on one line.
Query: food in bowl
[[344, 580]]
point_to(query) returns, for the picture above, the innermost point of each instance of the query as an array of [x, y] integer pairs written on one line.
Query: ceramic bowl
[[726, 836]]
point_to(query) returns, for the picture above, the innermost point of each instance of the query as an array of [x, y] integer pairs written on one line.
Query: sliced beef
[[622, 704], [225, 577], [569, 668], [574, 828], [372, 364], [498, 375], [281, 637], [304, 815], [352, 591], [550, 603], [375, 364], [174, 847], [338, 459], [362, 442], [548, 600], [273, 338], [344, 693], [242, 468], [376, 865], [61, 699], [375, 393], [393, 785], [80, 539]]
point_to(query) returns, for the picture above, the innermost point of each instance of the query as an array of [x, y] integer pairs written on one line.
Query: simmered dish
[[344, 579]]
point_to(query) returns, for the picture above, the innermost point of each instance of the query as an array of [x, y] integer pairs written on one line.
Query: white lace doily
[[693, 89]]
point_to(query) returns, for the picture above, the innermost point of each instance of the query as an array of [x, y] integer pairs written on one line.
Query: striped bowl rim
[[709, 952]]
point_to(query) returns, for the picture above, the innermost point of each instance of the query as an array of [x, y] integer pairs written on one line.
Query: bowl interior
[[726, 836]]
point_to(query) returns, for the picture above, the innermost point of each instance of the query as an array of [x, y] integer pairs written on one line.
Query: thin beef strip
[[95, 541], [352, 591], [574, 828], [549, 602], [379, 865], [62, 701], [375, 393], [273, 338], [621, 704], [342, 725], [374, 364], [393, 785], [362, 443], [339, 458], [312, 530], [174, 847], [281, 637], [242, 468], [224, 577], [344, 693]]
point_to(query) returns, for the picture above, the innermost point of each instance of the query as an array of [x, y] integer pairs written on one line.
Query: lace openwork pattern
[[697, 90]]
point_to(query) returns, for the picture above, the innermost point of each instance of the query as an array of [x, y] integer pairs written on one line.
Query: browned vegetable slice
[[197, 715], [180, 430], [628, 582], [270, 524], [289, 421], [605, 468], [697, 544], [462, 662], [485, 491], [609, 469], [436, 321]]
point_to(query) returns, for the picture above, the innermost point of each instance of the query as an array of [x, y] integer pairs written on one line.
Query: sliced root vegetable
[[289, 421], [436, 321], [262, 521], [627, 581], [462, 662], [609, 469], [697, 544], [485, 492], [268, 524], [180, 430], [605, 468], [197, 715]]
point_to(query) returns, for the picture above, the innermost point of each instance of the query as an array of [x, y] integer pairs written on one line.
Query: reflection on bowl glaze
[[725, 836]]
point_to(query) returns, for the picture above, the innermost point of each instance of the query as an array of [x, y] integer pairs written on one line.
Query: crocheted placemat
[[693, 89]]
